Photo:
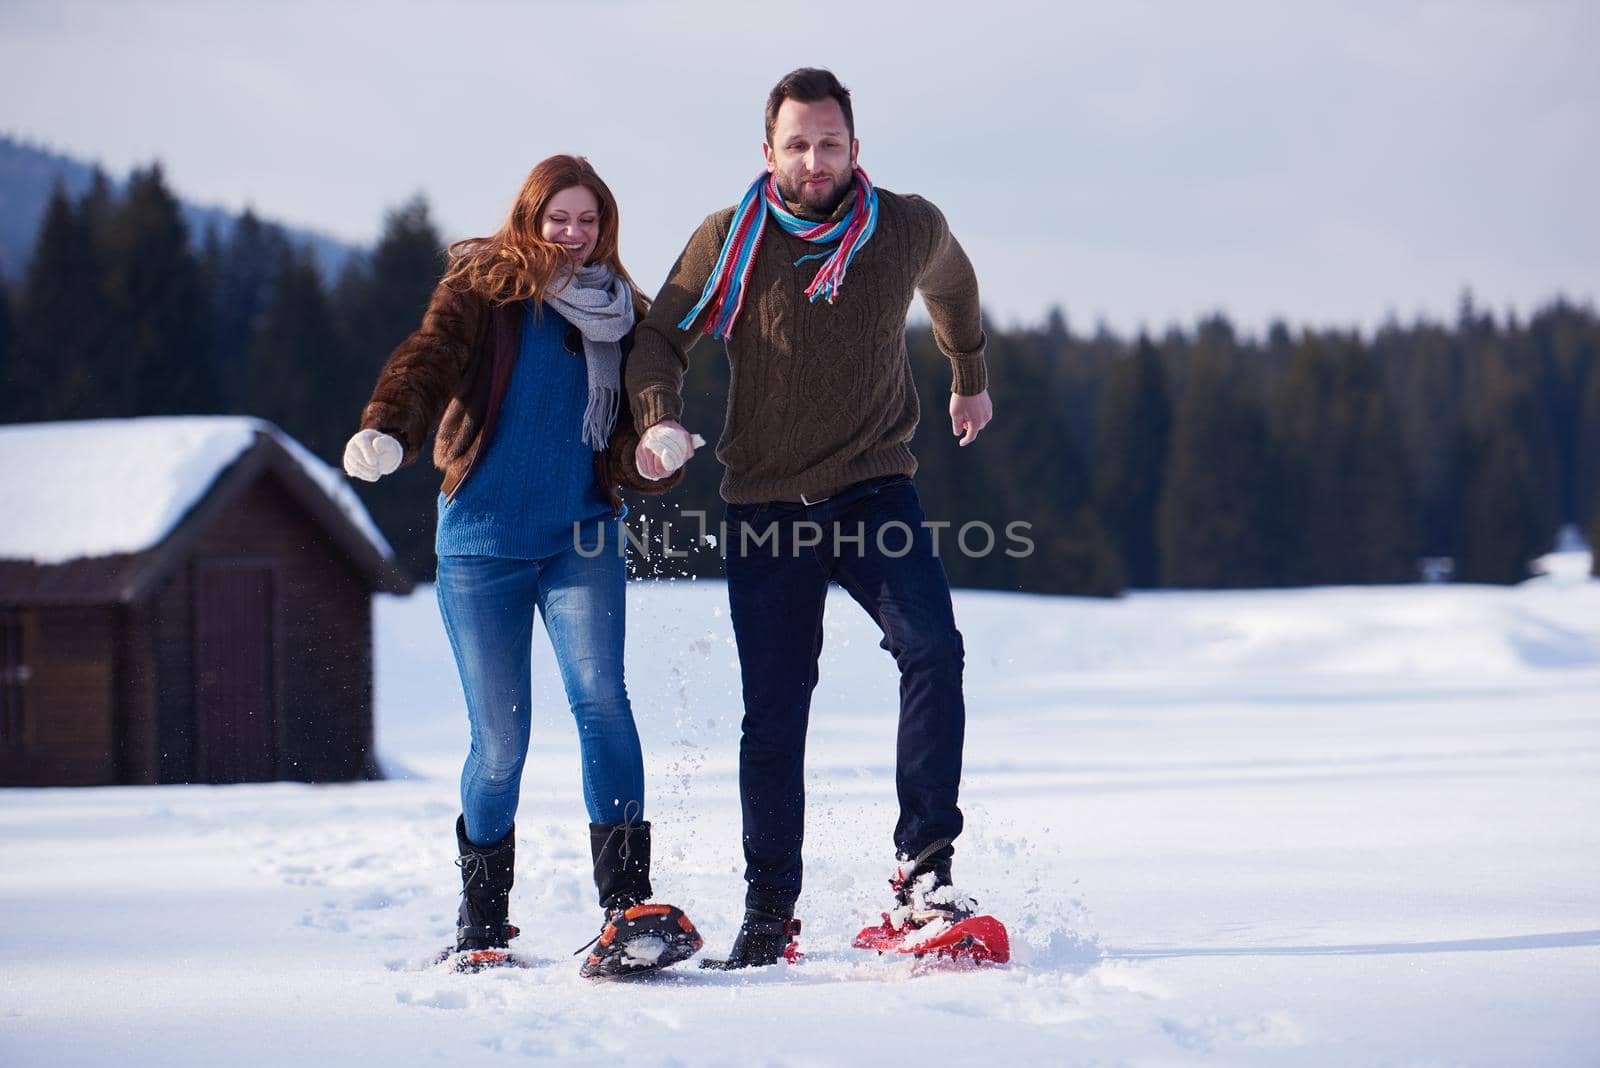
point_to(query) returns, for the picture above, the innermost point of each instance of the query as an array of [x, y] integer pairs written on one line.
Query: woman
[[517, 365]]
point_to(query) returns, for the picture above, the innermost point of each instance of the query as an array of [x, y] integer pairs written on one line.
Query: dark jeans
[[780, 560]]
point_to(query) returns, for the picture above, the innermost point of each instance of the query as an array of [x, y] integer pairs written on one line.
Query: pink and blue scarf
[[725, 289]]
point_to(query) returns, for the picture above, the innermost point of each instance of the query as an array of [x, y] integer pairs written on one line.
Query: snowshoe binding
[[467, 961], [933, 921], [639, 940]]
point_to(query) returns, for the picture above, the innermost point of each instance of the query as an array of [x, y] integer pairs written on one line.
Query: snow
[[71, 490], [1315, 827]]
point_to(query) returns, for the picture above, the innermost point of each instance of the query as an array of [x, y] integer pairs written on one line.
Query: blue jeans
[[488, 604], [884, 559]]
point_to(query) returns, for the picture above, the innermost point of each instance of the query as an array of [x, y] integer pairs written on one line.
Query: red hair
[[515, 263]]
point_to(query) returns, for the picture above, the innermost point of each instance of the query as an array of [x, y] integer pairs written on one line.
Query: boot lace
[[630, 820]]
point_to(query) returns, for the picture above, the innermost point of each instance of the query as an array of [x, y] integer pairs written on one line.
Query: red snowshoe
[[974, 940], [933, 921]]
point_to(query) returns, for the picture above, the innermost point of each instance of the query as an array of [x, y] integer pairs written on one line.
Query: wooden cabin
[[183, 600]]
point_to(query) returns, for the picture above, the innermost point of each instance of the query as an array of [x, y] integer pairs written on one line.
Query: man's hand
[[650, 463], [968, 415]]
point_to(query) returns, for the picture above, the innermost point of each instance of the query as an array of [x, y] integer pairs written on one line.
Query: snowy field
[[1331, 827]]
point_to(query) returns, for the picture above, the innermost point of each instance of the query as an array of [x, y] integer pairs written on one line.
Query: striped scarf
[[725, 289]]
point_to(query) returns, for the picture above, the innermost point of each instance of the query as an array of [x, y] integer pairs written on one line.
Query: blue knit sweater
[[535, 478]]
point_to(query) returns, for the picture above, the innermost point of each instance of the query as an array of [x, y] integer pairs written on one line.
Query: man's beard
[[823, 206]]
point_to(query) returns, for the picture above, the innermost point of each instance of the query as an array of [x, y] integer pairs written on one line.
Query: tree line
[[1199, 458]]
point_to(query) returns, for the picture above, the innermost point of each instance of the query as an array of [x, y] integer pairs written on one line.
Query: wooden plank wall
[[323, 639], [69, 735]]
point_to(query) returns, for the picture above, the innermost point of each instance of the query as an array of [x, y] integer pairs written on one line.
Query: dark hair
[[807, 85]]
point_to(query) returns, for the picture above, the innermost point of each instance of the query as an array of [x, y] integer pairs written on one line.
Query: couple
[[540, 365]]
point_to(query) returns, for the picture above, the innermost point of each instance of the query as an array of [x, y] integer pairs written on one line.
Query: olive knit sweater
[[820, 395]]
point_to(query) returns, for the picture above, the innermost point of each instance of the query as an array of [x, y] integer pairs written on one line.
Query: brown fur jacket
[[451, 374]]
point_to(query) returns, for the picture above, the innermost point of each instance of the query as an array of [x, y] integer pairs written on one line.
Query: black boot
[[924, 891], [486, 876], [764, 938], [637, 938], [621, 855], [931, 919]]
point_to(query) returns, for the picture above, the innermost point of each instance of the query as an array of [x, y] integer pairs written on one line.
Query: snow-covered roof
[[77, 490]]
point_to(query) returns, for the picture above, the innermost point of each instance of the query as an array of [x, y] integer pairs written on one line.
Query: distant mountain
[[28, 173]]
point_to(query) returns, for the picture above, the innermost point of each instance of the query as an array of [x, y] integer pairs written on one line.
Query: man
[[809, 281]]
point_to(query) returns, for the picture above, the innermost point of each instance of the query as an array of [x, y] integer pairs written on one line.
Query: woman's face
[[572, 220]]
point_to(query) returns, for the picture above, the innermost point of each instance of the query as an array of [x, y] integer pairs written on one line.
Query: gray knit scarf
[[600, 305]]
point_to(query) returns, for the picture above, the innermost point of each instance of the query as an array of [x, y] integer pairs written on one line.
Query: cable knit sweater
[[820, 395]]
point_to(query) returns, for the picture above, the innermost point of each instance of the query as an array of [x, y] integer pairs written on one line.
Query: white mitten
[[670, 445], [371, 454]]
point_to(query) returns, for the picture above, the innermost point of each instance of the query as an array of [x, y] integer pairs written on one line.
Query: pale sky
[[1141, 163]]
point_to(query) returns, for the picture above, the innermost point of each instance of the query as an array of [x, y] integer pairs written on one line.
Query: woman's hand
[[371, 454]]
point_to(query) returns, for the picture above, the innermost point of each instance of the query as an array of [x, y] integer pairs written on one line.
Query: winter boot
[[637, 938], [764, 938], [923, 890], [482, 932]]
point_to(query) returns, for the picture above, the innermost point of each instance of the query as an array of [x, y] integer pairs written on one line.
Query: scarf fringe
[[600, 416], [600, 305]]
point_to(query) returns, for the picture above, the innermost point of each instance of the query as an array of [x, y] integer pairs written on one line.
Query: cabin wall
[[68, 735], [139, 759], [322, 639]]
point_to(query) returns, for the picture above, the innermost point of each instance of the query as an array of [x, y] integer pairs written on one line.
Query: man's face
[[811, 154]]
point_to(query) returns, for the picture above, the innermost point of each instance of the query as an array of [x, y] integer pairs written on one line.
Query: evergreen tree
[[1594, 541], [1072, 373], [293, 365], [1346, 491], [1220, 516], [1508, 518], [1135, 428], [100, 324], [382, 301], [1423, 367], [97, 204], [58, 369], [953, 483], [1075, 552], [378, 305], [1542, 424], [1560, 347], [1025, 468], [162, 310], [1586, 474], [6, 349], [240, 273]]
